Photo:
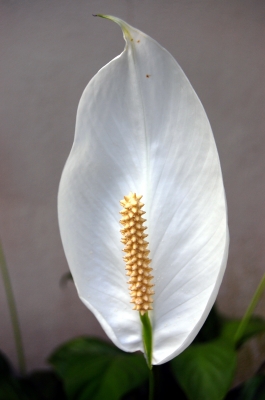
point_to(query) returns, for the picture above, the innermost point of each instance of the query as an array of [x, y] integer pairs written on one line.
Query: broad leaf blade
[[95, 370], [205, 371]]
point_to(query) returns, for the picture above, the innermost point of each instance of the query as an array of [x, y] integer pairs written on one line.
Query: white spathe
[[141, 127]]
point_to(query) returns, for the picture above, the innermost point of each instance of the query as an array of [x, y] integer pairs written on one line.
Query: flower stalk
[[254, 301], [147, 338], [151, 385]]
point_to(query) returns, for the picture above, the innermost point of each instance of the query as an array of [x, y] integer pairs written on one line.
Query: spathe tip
[[99, 15]]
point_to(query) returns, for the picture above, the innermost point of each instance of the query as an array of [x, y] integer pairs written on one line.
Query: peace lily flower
[[142, 131]]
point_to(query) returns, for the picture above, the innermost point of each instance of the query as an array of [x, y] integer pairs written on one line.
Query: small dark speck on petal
[[147, 76], [131, 39], [138, 41]]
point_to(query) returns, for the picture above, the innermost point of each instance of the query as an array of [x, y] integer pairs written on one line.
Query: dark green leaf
[[12, 388], [5, 366], [48, 385], [253, 389], [95, 370], [255, 326], [44, 385], [205, 371], [30, 388]]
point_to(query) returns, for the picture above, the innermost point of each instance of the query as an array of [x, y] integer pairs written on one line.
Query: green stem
[[147, 338], [13, 312], [151, 384], [254, 301]]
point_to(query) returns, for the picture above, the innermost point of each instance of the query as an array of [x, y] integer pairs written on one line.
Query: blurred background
[[49, 50]]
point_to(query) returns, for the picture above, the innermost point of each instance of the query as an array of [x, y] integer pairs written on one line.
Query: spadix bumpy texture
[[141, 128], [136, 249]]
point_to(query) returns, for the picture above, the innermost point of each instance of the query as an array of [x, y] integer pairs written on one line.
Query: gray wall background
[[49, 50]]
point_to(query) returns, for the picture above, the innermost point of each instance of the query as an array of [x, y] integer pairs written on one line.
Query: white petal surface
[[141, 127]]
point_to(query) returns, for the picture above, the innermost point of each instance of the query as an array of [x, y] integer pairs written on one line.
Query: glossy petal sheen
[[141, 127]]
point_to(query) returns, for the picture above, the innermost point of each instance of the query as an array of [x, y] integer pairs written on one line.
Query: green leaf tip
[[147, 338], [124, 27]]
